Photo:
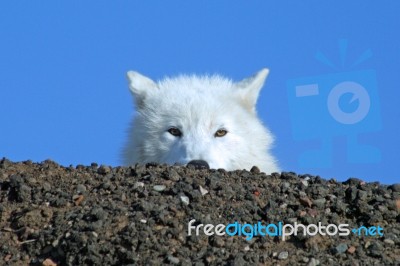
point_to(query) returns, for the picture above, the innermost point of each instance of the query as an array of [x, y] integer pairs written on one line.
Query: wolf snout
[[199, 164]]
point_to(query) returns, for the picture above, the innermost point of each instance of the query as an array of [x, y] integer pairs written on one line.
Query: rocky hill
[[141, 215]]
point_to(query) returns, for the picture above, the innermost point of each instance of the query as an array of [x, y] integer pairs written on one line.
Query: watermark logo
[[280, 230], [336, 104]]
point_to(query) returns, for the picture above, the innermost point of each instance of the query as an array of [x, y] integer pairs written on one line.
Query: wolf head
[[207, 118]]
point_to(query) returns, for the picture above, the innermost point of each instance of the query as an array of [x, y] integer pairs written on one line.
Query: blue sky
[[64, 95]]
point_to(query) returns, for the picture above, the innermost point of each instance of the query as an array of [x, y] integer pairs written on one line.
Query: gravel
[[139, 215]]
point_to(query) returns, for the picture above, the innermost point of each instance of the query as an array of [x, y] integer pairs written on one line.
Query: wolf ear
[[249, 89], [140, 86]]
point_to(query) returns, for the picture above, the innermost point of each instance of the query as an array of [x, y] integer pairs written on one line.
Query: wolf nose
[[199, 164]]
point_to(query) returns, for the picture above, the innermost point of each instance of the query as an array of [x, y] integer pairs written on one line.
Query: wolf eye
[[175, 132], [220, 133]]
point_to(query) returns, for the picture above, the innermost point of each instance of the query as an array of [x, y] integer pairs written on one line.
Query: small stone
[[305, 201], [80, 188], [332, 197], [143, 221], [275, 254], [302, 194], [313, 262], [375, 249], [382, 208], [78, 199], [239, 259], [106, 185], [203, 191], [103, 170], [24, 193], [95, 234], [387, 196], [49, 262], [138, 184], [340, 207], [351, 249], [217, 242], [210, 259], [305, 183], [173, 260], [362, 195], [389, 241], [146, 176], [55, 243], [320, 203], [173, 175], [198, 164], [255, 170], [395, 187], [47, 249], [46, 186], [313, 212], [47, 213], [283, 255], [151, 164], [341, 248], [159, 188], [352, 181], [7, 257], [185, 200]]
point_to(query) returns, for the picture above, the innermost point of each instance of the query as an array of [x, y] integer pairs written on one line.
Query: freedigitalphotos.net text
[[280, 229]]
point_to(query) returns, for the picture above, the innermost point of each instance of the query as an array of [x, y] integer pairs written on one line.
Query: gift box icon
[[337, 104]]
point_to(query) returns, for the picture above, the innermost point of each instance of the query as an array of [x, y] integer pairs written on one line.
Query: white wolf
[[207, 118]]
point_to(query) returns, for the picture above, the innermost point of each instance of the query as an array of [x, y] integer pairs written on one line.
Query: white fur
[[199, 106]]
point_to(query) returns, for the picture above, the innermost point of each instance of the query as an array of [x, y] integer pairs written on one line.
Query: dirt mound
[[91, 215]]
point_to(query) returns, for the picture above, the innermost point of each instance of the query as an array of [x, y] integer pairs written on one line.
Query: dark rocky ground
[[90, 215]]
